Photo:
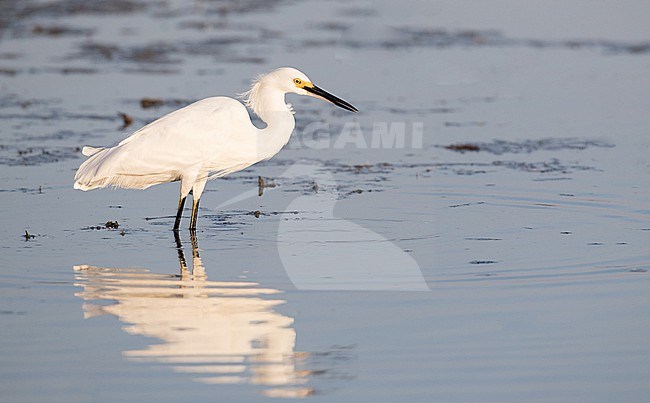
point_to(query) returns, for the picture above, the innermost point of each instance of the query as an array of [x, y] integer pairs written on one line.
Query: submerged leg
[[181, 255], [179, 213]]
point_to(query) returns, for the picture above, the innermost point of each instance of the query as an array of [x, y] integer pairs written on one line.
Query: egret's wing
[[163, 150], [207, 113]]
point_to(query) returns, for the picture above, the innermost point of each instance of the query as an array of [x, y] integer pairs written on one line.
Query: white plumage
[[205, 140]]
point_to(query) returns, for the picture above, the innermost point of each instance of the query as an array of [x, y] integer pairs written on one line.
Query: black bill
[[332, 98]]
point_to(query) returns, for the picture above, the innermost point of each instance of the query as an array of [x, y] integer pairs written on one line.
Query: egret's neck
[[273, 110]]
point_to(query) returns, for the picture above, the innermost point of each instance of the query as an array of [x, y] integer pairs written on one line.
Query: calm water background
[[533, 250]]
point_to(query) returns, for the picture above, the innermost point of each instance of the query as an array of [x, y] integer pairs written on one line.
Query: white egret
[[205, 140]]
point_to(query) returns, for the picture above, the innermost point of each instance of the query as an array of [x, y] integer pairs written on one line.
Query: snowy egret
[[205, 140]]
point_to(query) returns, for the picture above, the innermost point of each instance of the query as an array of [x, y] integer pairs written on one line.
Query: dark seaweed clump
[[499, 147]]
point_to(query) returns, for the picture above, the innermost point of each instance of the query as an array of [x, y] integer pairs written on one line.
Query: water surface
[[498, 254]]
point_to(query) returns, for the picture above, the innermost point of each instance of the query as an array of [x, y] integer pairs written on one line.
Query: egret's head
[[304, 86], [290, 80]]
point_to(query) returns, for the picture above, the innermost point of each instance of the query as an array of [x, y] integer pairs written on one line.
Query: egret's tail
[[89, 151], [84, 178], [87, 176]]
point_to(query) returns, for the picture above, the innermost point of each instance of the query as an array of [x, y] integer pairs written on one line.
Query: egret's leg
[[179, 213], [195, 213], [197, 190]]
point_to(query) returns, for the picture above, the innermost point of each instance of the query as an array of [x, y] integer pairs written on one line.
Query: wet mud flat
[[494, 248]]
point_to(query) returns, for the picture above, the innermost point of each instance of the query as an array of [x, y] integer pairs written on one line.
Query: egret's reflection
[[224, 332]]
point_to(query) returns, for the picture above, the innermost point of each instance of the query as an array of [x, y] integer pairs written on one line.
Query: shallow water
[[499, 254]]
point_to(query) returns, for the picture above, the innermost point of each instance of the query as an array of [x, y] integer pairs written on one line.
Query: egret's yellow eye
[[297, 81]]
